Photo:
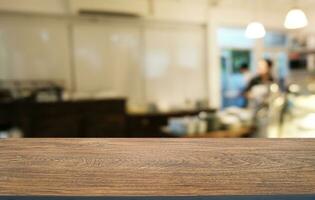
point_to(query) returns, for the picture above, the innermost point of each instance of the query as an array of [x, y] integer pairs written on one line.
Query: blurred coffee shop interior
[[157, 68]]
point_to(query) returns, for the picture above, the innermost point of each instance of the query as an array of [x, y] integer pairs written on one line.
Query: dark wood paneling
[[113, 125], [95, 118], [5, 116], [157, 167], [58, 127]]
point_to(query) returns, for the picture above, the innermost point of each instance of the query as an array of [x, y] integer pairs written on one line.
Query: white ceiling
[[266, 4]]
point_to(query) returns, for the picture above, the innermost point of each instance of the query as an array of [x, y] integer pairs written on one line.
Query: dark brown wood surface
[[156, 167], [66, 119]]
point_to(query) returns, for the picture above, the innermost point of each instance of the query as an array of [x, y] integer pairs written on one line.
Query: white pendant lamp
[[255, 30], [295, 19]]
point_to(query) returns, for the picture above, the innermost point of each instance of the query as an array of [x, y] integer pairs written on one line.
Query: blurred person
[[246, 77], [244, 70], [256, 88]]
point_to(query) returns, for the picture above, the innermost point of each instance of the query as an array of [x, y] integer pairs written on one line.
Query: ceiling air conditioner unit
[[125, 8]]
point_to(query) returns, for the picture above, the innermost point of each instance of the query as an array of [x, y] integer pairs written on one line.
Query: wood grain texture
[[156, 167]]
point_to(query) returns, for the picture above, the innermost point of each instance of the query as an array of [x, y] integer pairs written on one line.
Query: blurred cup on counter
[[230, 121], [16, 133], [189, 126], [4, 135], [177, 126], [203, 123], [294, 88], [202, 127]]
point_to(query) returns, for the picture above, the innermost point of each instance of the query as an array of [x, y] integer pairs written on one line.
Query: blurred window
[[233, 38], [275, 39]]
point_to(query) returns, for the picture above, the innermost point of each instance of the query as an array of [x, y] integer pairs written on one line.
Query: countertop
[[156, 167]]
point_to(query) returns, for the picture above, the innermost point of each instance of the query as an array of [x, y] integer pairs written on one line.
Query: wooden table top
[[156, 167]]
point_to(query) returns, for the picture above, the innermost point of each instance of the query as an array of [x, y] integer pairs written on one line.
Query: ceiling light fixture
[[255, 30], [295, 19]]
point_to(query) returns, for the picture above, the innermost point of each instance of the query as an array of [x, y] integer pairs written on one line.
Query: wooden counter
[[156, 167]]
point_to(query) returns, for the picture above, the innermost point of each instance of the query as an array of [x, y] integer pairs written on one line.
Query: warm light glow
[[295, 19], [255, 30]]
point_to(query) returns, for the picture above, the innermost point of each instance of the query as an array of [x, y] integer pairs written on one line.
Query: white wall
[[111, 58], [107, 60], [175, 65], [34, 49]]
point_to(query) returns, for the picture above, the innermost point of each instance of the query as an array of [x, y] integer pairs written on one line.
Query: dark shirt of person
[[258, 80]]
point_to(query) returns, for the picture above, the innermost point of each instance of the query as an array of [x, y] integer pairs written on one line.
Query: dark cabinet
[[92, 118]]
